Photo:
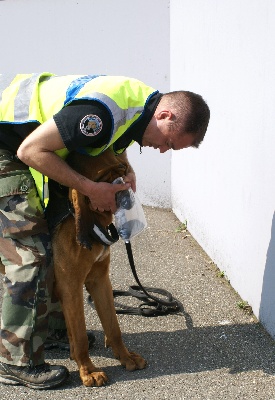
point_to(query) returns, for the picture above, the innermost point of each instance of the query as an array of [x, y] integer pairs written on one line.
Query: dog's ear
[[84, 219]]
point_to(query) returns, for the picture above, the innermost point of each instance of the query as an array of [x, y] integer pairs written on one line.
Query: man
[[42, 118]]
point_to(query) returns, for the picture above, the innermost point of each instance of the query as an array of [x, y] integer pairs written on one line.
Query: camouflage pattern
[[25, 251]]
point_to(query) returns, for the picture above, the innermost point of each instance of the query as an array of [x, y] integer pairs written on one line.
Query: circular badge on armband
[[91, 125]]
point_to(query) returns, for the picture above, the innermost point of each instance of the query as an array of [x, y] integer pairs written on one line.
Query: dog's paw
[[98, 378], [133, 362]]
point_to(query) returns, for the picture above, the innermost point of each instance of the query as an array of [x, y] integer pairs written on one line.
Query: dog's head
[[104, 168]]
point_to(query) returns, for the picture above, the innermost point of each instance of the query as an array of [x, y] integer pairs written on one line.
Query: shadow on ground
[[237, 348]]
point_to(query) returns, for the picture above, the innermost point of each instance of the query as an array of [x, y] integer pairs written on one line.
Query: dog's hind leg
[[100, 288]]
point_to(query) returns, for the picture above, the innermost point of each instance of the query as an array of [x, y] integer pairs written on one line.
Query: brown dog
[[77, 265], [80, 260]]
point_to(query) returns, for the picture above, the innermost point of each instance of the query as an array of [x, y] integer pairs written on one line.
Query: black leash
[[151, 306]]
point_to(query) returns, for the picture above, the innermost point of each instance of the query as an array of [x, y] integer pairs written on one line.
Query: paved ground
[[215, 351]]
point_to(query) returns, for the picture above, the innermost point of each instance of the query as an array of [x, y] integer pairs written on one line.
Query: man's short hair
[[191, 111]]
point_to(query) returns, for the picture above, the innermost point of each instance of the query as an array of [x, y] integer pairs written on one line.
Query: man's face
[[159, 136]]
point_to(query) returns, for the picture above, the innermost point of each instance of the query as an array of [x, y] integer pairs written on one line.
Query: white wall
[[119, 37], [226, 189], [223, 50]]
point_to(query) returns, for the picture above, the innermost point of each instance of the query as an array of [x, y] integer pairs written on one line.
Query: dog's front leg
[[71, 297], [102, 294]]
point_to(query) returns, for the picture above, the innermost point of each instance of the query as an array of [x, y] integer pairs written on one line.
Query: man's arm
[[38, 152]]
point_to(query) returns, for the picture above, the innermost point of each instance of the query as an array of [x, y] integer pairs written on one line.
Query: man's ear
[[164, 114]]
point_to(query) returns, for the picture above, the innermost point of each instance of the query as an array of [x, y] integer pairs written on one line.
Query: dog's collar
[[105, 236]]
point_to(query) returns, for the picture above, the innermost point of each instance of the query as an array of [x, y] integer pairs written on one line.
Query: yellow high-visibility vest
[[37, 97]]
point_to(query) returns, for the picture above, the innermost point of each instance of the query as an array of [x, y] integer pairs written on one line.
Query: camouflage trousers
[[25, 252]]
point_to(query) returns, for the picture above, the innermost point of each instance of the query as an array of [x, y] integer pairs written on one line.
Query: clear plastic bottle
[[129, 217]]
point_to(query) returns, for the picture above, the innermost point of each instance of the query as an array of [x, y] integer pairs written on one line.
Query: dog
[[79, 260]]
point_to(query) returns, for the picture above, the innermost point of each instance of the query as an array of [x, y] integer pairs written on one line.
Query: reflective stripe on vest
[[20, 97]]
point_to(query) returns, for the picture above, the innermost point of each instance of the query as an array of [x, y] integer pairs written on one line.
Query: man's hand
[[131, 178], [102, 195]]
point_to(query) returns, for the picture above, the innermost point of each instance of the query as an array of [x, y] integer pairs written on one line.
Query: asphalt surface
[[214, 350]]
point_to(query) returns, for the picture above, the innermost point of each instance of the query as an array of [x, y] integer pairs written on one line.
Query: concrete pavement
[[215, 350]]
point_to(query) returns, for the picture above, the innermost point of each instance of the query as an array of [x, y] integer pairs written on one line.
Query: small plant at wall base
[[243, 305], [221, 274], [182, 227]]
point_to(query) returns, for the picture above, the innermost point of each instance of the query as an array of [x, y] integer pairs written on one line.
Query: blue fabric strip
[[76, 85]]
